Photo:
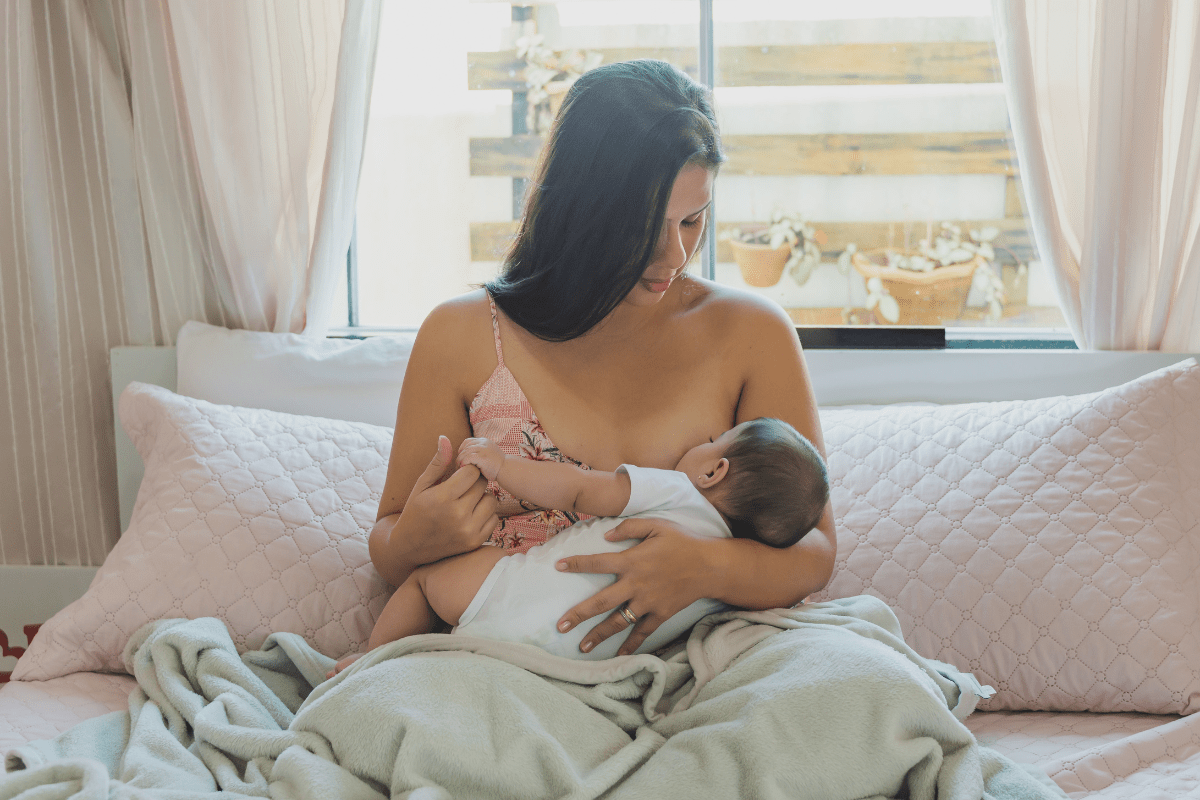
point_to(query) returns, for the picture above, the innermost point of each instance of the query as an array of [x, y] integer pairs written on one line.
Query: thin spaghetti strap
[[496, 330]]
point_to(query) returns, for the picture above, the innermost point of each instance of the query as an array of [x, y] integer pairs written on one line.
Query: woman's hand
[[482, 453], [453, 514], [656, 578]]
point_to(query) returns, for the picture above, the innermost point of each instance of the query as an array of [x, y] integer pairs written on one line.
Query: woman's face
[[687, 210]]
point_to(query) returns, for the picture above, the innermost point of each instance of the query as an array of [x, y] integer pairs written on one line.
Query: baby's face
[[701, 458]]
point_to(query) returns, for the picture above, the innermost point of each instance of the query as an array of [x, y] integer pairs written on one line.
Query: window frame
[[815, 337]]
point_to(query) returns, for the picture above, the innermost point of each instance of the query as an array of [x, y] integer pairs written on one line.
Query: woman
[[624, 356]]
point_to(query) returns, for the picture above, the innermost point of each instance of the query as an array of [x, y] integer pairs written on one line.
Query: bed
[[1071, 593]]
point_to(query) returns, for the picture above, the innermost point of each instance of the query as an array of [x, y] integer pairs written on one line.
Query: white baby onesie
[[524, 596]]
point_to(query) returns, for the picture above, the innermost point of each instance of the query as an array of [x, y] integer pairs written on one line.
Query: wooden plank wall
[[787, 65], [978, 152]]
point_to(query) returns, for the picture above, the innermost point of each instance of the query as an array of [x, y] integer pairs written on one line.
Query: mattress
[[1143, 756], [31, 710]]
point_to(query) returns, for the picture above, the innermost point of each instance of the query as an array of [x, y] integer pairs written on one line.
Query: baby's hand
[[483, 454]]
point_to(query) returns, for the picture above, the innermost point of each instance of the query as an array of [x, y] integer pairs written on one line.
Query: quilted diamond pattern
[[257, 517], [43, 710], [1036, 737], [1048, 546], [1162, 763]]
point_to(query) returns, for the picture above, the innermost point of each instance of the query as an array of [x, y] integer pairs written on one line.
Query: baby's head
[[765, 478]]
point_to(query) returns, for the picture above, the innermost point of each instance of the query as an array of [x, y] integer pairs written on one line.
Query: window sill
[[867, 338], [1011, 339], [932, 338]]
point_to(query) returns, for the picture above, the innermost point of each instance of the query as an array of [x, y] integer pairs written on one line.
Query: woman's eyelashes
[[693, 222]]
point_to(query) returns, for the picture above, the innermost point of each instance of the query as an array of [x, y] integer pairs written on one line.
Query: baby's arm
[[549, 484]]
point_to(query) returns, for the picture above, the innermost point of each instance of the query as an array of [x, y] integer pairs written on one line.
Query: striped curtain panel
[[159, 162]]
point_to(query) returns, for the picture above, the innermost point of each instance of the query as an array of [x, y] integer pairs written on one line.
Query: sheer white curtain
[[1103, 98], [276, 98], [159, 162]]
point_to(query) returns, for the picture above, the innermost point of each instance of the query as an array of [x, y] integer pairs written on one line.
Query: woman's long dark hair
[[596, 206]]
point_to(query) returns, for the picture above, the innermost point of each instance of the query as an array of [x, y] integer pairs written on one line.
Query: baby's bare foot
[[341, 665]]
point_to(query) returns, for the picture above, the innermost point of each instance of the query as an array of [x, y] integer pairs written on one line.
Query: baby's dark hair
[[777, 485]]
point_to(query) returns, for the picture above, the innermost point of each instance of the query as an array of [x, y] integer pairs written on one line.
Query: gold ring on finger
[[628, 615]]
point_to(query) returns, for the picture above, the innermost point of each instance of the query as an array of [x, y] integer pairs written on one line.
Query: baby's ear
[[715, 474]]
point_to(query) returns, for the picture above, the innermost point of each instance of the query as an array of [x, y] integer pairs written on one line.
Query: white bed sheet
[[31, 710], [1037, 737], [1143, 756], [1161, 763]]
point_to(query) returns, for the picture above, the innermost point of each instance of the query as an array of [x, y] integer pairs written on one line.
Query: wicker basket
[[761, 265], [925, 298]]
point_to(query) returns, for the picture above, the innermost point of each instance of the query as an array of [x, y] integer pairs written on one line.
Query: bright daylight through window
[[870, 179]]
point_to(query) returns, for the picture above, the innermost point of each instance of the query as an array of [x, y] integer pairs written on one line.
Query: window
[[873, 122]]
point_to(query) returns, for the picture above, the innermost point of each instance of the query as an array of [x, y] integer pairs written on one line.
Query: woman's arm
[[549, 484], [428, 512], [670, 568], [776, 384]]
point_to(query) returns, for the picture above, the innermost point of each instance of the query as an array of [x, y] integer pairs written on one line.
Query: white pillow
[[356, 380], [1048, 546], [257, 517]]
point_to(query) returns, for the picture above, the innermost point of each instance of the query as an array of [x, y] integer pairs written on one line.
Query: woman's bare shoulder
[[737, 313], [456, 340], [463, 310]]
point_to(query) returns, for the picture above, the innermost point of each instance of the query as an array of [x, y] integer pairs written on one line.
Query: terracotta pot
[[761, 265], [925, 298]]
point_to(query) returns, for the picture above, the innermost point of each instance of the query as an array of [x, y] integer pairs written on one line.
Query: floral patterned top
[[501, 412]]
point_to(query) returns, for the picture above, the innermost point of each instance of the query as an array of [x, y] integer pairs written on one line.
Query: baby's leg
[[407, 613], [442, 589], [451, 584]]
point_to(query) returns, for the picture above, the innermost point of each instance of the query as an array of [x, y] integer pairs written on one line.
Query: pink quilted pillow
[[1048, 546], [256, 517]]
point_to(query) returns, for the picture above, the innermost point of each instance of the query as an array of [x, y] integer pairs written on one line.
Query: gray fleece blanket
[[825, 701]]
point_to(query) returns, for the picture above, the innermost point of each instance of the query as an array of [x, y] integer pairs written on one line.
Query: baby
[[760, 480]]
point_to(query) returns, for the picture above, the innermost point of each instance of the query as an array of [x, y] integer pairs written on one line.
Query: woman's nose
[[672, 250]]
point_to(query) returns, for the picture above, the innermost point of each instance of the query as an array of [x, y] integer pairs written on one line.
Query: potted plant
[[932, 284], [788, 242], [548, 75]]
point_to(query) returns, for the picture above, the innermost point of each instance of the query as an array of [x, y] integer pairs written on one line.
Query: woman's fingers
[[486, 503], [632, 528], [599, 563], [616, 624], [487, 528], [483, 518], [642, 629], [605, 600], [657, 577], [462, 506], [436, 471], [465, 482]]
